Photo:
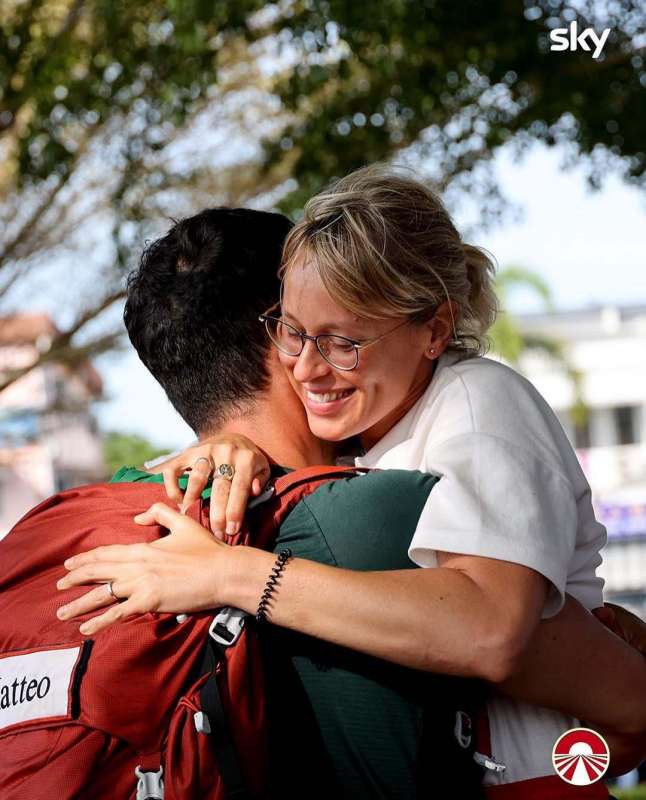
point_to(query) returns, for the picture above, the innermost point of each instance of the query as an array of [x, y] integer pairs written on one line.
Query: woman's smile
[[326, 402]]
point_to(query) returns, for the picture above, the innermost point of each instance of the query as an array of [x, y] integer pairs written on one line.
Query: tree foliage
[[454, 81], [511, 342], [116, 116], [125, 449]]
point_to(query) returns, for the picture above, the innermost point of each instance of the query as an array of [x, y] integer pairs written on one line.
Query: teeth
[[328, 397]]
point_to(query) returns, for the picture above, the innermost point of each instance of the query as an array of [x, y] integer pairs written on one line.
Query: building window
[[625, 424], [582, 435]]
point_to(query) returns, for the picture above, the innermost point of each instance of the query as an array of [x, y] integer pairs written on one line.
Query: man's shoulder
[[364, 495], [127, 474], [362, 522]]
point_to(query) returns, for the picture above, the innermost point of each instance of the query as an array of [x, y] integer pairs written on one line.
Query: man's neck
[[284, 437]]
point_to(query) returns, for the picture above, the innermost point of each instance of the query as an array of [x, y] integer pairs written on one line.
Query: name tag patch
[[36, 686]]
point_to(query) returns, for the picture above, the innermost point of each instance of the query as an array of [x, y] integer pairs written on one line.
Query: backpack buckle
[[150, 785], [488, 762], [227, 626], [463, 729]]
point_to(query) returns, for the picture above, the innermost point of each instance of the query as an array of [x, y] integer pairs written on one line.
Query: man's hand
[[179, 573], [624, 623]]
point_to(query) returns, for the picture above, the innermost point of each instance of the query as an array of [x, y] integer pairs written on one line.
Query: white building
[[607, 346], [48, 436]]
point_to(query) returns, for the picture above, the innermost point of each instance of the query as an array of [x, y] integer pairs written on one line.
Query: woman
[[381, 329]]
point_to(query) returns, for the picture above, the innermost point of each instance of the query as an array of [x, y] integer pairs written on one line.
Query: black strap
[[221, 738], [459, 775]]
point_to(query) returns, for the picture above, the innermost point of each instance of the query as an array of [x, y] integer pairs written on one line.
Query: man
[[192, 315]]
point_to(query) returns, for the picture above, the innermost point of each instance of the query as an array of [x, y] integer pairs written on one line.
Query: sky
[[589, 246]]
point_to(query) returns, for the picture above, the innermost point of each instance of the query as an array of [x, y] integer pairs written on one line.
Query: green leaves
[[472, 69]]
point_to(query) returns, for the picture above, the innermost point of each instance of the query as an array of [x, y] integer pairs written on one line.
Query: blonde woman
[[381, 331]]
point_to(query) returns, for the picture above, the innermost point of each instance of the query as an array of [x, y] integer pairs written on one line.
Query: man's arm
[[575, 664]]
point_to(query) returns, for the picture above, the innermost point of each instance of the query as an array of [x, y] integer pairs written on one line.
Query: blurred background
[[117, 117]]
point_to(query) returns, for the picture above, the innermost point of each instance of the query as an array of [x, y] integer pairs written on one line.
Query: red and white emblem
[[581, 756]]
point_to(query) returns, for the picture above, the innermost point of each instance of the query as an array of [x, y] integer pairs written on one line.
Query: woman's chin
[[330, 430]]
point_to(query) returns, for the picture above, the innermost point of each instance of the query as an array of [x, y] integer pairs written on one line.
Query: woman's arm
[[574, 664], [451, 620], [448, 620], [626, 752], [443, 620]]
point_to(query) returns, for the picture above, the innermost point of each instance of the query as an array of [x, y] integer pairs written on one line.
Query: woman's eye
[[341, 345], [289, 333]]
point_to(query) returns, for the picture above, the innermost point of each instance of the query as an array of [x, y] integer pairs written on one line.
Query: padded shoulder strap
[[313, 475], [288, 490]]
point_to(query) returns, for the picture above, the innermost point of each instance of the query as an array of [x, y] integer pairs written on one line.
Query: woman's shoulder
[[486, 380], [494, 399]]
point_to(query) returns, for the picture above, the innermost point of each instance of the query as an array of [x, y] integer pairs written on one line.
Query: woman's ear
[[442, 328]]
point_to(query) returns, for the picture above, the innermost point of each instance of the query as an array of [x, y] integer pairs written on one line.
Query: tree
[[510, 342], [124, 449], [447, 83], [116, 116], [94, 96]]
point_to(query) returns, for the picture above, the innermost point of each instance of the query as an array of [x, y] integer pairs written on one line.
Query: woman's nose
[[310, 363]]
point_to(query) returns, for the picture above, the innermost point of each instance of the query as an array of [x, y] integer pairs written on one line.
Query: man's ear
[[442, 329]]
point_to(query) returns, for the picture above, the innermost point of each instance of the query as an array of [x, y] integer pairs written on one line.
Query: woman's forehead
[[306, 299]]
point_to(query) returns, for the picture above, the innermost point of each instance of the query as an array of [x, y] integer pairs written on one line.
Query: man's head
[[193, 306]]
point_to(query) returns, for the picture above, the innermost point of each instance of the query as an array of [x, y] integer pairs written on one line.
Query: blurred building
[[608, 348], [48, 436]]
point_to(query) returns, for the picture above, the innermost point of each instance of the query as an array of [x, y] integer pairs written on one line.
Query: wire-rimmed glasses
[[340, 352]]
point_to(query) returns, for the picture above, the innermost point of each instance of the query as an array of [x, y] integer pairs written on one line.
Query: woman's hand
[[179, 573], [228, 497], [625, 624]]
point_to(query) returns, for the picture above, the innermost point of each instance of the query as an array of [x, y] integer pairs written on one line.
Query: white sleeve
[[497, 500]]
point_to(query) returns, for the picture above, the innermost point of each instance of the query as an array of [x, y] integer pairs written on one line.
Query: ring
[[208, 460], [225, 471], [111, 590]]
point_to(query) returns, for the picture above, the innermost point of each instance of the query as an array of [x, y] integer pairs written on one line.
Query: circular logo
[[581, 756]]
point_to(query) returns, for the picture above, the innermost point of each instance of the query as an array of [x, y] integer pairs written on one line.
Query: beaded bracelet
[[272, 581]]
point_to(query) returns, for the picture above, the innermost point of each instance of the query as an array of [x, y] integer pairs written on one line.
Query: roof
[[25, 328], [624, 313]]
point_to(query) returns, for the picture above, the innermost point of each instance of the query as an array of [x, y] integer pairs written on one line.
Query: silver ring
[[111, 590], [225, 471], [208, 460]]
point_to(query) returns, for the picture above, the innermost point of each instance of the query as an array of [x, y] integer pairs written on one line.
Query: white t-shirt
[[511, 488]]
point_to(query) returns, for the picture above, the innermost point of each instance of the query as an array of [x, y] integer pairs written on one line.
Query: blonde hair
[[384, 246]]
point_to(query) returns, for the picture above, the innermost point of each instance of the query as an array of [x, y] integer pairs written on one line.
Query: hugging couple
[[357, 336]]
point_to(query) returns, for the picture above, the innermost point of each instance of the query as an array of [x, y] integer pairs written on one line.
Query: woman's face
[[390, 377]]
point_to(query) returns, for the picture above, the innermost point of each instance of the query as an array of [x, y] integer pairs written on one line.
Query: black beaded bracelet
[[272, 581]]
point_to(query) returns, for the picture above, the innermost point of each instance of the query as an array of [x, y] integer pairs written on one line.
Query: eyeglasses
[[339, 351]]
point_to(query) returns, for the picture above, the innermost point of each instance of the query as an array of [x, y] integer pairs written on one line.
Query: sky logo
[[571, 39]]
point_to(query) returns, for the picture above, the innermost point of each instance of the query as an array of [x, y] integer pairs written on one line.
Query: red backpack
[[158, 706]]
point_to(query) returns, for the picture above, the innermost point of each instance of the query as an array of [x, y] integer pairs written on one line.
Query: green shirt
[[368, 714]]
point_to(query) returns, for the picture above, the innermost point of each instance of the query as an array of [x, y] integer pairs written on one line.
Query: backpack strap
[[313, 475], [218, 731]]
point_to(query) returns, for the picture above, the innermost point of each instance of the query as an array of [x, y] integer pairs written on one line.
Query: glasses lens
[[338, 351], [284, 336]]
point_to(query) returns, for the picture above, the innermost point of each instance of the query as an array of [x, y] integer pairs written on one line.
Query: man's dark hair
[[193, 305]]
